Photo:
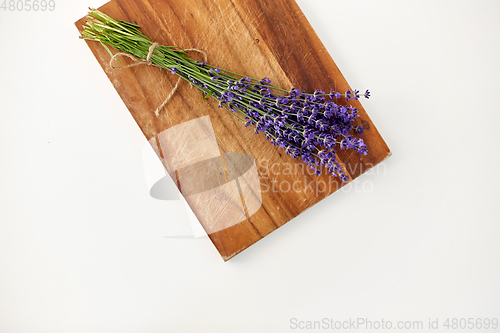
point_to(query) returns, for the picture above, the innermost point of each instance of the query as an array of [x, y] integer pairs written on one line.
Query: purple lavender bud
[[356, 94], [359, 129], [344, 177], [348, 95]]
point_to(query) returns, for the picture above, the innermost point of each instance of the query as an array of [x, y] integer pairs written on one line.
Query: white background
[[85, 248]]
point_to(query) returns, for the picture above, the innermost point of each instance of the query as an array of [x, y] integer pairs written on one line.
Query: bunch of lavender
[[311, 127]]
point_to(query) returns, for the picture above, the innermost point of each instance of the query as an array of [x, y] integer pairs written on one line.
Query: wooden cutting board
[[238, 184]]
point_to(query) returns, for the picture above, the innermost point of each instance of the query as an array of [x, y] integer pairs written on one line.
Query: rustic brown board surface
[[238, 184]]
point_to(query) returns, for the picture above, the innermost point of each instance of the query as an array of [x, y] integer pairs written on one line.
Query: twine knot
[[147, 61]]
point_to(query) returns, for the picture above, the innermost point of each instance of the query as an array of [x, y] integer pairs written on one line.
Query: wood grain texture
[[258, 38]]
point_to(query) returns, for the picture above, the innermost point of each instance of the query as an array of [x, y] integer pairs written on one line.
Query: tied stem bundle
[[311, 127]]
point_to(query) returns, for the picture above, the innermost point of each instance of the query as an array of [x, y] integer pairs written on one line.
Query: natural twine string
[[138, 62]]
